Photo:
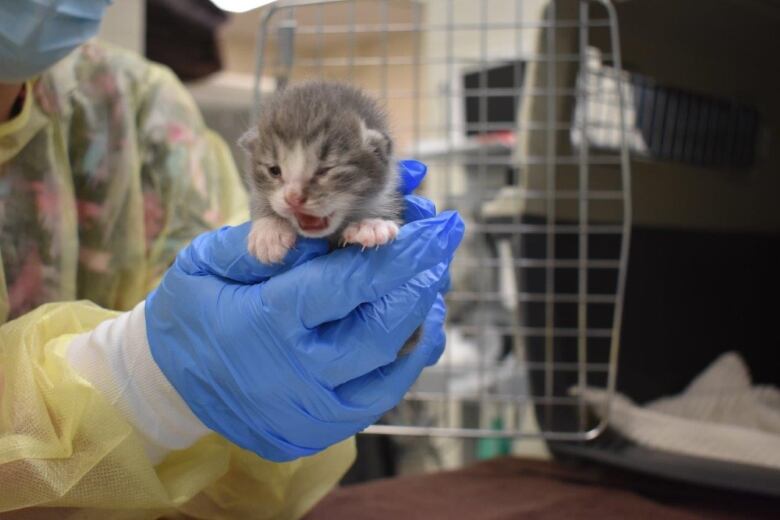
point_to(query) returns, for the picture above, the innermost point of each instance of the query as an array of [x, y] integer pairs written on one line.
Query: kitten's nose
[[295, 199]]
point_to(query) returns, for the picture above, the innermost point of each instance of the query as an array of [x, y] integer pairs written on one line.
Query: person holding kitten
[[149, 366]]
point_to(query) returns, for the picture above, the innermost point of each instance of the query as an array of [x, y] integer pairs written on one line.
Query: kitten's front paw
[[270, 239], [370, 232]]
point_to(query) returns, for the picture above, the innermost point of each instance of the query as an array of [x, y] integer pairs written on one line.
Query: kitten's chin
[[315, 234]]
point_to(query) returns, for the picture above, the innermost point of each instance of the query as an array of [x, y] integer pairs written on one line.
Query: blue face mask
[[35, 34]]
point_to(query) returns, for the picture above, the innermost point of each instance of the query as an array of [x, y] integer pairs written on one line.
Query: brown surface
[[517, 488]]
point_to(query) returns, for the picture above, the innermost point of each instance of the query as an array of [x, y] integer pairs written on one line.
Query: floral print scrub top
[[106, 171]]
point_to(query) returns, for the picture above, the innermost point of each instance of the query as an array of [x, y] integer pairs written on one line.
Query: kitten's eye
[[275, 171], [321, 172]]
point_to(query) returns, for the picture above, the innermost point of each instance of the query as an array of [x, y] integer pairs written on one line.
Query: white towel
[[720, 415]]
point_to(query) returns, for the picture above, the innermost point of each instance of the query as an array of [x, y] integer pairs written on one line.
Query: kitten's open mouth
[[311, 222]]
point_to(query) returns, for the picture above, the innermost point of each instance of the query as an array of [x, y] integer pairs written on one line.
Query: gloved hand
[[288, 360]]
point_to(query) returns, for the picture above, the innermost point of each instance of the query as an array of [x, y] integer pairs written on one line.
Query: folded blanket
[[720, 415]]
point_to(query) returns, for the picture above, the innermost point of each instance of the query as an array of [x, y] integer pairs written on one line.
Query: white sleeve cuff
[[115, 358]]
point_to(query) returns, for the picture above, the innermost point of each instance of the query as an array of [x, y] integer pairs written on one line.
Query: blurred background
[[618, 166]]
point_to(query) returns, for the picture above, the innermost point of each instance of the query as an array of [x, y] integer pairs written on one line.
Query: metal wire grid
[[535, 308]]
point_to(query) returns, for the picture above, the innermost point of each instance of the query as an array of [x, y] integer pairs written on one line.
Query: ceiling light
[[240, 6]]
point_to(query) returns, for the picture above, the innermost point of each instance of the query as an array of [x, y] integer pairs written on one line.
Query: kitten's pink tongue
[[310, 222]]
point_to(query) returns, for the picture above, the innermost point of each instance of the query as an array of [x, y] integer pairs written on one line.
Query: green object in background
[[495, 447]]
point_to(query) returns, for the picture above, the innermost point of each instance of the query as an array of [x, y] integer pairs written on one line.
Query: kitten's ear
[[377, 142], [247, 141]]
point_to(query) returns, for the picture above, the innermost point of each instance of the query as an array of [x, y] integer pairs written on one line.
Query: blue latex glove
[[288, 360]]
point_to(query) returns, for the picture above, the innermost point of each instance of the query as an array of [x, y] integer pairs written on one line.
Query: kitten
[[321, 167]]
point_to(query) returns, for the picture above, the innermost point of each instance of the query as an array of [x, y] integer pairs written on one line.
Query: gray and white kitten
[[320, 167]]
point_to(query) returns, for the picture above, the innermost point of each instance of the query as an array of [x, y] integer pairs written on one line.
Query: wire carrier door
[[519, 109]]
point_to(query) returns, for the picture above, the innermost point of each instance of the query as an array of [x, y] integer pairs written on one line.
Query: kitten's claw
[[371, 232], [270, 239]]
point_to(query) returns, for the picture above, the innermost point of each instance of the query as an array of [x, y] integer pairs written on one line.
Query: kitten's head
[[317, 156]]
